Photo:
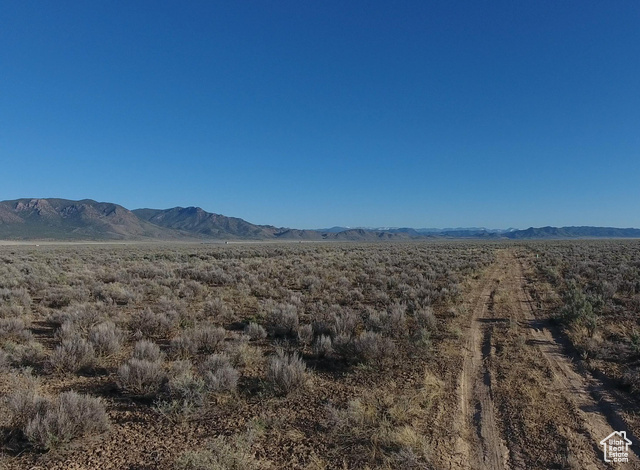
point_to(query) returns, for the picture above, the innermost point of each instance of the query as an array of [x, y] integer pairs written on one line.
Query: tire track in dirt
[[494, 451], [594, 403], [484, 448]]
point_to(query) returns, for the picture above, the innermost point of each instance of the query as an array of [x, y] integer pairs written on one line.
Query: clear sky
[[318, 113]]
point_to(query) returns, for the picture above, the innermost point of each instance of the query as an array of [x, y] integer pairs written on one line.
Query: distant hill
[[573, 232], [198, 221], [63, 219]]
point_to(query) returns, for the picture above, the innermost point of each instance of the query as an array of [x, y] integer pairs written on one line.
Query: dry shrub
[[392, 322], [204, 339], [210, 338], [73, 355], [5, 361], [82, 316], [25, 354], [116, 293], [8, 311], [286, 372], [16, 297], [49, 423], [217, 308], [368, 347], [184, 345], [14, 329], [219, 375], [426, 319], [322, 346], [396, 321], [68, 330], [106, 338], [282, 320], [69, 416], [147, 351], [632, 379], [372, 347], [153, 324], [344, 323], [23, 400], [242, 354], [305, 334], [141, 377], [60, 297], [255, 331], [186, 389]]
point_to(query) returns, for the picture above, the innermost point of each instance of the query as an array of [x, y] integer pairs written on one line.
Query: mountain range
[[63, 219]]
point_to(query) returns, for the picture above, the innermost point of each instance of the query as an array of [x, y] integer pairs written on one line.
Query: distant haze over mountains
[[63, 219]]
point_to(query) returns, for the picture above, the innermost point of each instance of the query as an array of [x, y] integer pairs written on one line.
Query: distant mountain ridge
[[573, 232], [198, 221], [64, 219]]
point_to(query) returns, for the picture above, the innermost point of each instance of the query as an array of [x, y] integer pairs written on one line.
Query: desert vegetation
[[412, 355], [595, 300], [252, 356]]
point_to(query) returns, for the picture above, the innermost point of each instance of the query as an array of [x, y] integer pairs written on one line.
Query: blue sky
[[313, 114]]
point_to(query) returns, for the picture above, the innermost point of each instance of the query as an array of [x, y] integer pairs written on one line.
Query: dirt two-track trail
[[483, 437]]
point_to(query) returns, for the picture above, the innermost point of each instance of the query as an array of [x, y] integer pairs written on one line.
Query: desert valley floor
[[413, 355]]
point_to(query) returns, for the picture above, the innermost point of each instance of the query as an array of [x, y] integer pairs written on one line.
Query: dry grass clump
[[386, 425], [243, 355], [221, 453], [286, 372]]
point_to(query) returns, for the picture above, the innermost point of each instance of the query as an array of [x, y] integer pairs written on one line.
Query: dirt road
[[523, 402]]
